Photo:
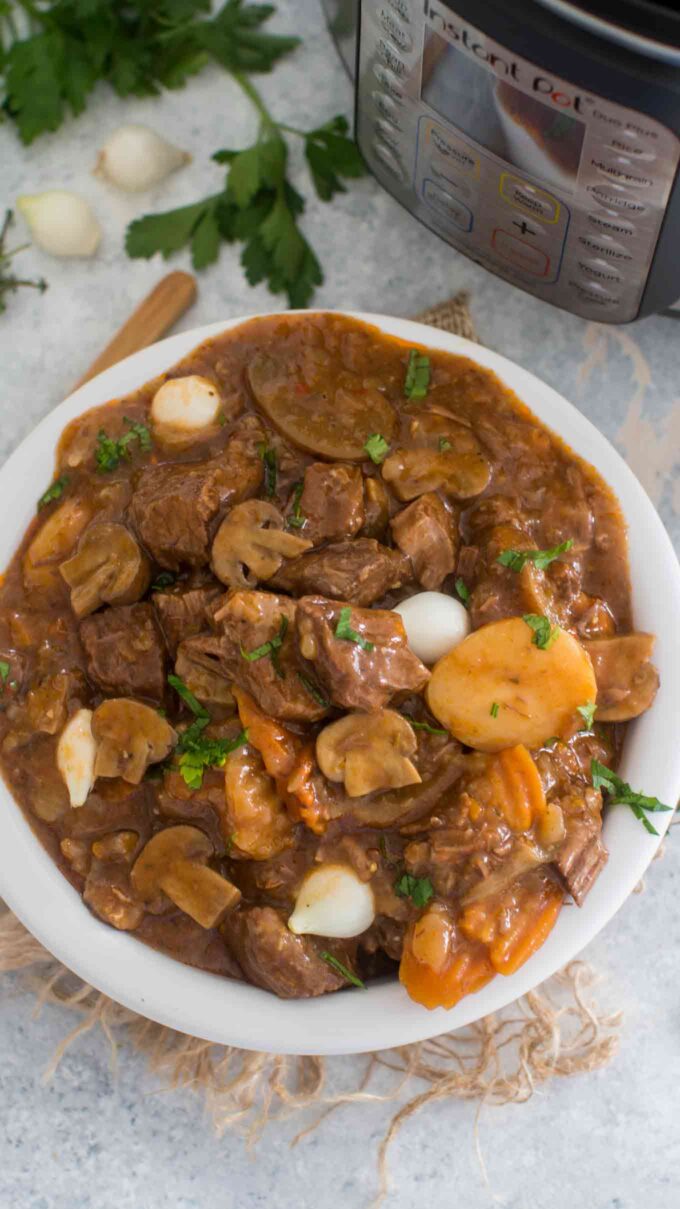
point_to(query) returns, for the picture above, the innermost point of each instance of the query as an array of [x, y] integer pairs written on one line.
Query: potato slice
[[536, 691], [333, 419]]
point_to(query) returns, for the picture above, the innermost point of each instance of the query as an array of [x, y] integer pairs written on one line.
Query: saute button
[[389, 81], [390, 161], [396, 29], [600, 270]]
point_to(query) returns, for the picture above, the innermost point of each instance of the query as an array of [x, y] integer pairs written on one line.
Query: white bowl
[[353, 1021]]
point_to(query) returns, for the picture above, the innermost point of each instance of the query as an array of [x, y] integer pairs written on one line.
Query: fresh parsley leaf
[[376, 447], [419, 889], [463, 591], [163, 580], [430, 730], [517, 559], [295, 519], [331, 155], [271, 468], [9, 283], [54, 491], [544, 633], [620, 793], [587, 712], [344, 630], [4, 671], [417, 378], [196, 753], [196, 225], [109, 453], [341, 969], [187, 696], [444, 445], [270, 648], [314, 692], [494, 709]]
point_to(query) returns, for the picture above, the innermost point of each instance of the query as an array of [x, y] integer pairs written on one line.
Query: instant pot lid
[[649, 28]]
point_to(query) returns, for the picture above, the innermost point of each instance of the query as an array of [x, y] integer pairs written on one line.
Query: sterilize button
[[391, 161], [396, 29], [600, 270], [604, 245]]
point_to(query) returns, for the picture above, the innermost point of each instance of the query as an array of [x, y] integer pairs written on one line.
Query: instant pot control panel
[[555, 189]]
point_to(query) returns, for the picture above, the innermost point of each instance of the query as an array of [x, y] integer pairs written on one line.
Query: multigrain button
[[611, 224], [615, 198], [621, 170], [396, 29], [604, 245], [389, 81], [390, 161], [596, 269]]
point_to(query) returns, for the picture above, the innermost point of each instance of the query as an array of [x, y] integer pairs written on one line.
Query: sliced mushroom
[[76, 751], [332, 901], [54, 542], [107, 568], [462, 474], [129, 737], [250, 544], [368, 752], [626, 681], [260, 824], [174, 862], [185, 406]]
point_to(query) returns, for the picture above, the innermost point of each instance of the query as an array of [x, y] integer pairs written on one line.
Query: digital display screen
[[536, 137]]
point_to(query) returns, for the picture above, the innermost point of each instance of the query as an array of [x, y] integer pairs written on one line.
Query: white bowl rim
[[217, 1009]]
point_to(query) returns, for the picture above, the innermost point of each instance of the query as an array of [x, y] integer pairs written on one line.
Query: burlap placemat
[[555, 1030]]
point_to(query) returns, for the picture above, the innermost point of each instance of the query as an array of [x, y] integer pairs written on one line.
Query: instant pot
[[539, 137]]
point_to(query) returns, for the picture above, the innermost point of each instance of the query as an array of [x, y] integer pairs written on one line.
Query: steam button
[[611, 223]]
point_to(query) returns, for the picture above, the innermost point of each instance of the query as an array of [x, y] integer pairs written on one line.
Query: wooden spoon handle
[[152, 318]]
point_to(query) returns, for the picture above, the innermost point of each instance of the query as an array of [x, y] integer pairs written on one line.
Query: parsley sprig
[[9, 282], [429, 730], [620, 793], [54, 491], [270, 648], [337, 965], [109, 453], [377, 447], [544, 633], [271, 468], [295, 519], [517, 559], [463, 591], [418, 889], [587, 712], [344, 631], [417, 378], [195, 750]]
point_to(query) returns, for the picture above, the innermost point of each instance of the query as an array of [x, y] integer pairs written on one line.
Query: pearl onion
[[332, 901], [434, 623], [75, 756], [186, 404]]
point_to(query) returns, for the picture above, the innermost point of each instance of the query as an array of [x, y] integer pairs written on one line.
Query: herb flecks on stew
[[207, 694]]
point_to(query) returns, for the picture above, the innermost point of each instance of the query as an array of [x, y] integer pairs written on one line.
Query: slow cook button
[[389, 81], [602, 271], [390, 161], [396, 29], [444, 203], [623, 171], [611, 224], [604, 245]]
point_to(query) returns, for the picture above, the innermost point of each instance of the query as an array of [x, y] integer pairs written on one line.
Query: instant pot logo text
[[474, 44]]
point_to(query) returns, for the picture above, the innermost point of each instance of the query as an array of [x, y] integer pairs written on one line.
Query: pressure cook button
[[615, 198], [600, 270], [611, 224], [604, 245], [396, 29], [387, 106], [391, 161], [390, 57], [621, 170]]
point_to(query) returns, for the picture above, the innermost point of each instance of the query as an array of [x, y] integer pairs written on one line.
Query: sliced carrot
[[515, 924], [439, 966], [278, 746], [517, 787], [299, 793]]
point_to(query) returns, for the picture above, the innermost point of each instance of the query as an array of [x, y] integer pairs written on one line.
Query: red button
[[522, 253]]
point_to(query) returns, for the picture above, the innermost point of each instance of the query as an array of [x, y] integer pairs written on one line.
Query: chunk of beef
[[246, 622], [356, 678], [184, 614], [581, 855], [276, 959], [360, 571], [332, 501], [125, 651], [173, 506], [426, 532]]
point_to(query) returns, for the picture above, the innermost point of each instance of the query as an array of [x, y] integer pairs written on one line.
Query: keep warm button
[[523, 254]]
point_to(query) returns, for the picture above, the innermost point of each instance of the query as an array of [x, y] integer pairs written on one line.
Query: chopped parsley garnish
[[341, 969], [417, 377], [188, 697], [463, 591], [544, 633], [376, 447], [295, 519], [196, 752], [494, 709], [517, 559], [314, 692], [4, 671], [109, 453], [430, 730], [164, 580], [344, 630], [271, 468], [620, 793], [54, 491], [444, 445], [270, 648], [418, 889], [587, 712]]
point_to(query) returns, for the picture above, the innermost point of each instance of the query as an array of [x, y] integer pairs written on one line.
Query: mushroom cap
[[174, 862], [107, 568], [162, 851], [462, 473], [130, 736], [250, 544], [626, 681], [369, 752]]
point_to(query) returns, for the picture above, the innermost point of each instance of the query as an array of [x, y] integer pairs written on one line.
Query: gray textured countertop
[[90, 1140]]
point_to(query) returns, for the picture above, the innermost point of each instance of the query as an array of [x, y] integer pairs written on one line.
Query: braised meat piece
[[358, 675], [426, 532], [332, 501], [125, 651], [246, 623], [360, 571], [581, 855], [184, 614], [274, 958], [173, 505]]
